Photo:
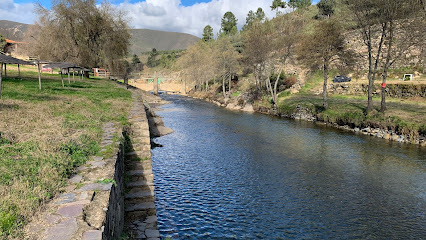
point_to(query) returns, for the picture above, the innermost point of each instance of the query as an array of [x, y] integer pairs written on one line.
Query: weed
[[106, 181]]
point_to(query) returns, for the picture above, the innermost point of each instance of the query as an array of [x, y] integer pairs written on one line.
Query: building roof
[[11, 41], [12, 60], [61, 65]]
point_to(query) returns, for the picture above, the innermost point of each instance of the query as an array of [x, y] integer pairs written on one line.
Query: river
[[233, 175]]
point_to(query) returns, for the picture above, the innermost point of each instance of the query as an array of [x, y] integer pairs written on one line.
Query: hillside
[[142, 40], [13, 30]]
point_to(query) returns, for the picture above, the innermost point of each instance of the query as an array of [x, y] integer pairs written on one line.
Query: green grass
[[405, 117], [45, 135]]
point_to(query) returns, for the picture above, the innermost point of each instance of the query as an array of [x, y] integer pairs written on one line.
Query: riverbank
[[404, 121]]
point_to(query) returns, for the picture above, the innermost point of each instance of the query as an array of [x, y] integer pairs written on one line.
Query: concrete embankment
[[112, 195]]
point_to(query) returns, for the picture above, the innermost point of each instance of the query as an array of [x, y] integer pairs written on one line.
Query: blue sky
[[187, 16], [47, 3]]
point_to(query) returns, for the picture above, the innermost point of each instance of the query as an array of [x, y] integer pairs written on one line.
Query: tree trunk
[[62, 79], [229, 87], [275, 97], [69, 80], [39, 75], [385, 68], [19, 71], [374, 71], [1, 73], [207, 85], [223, 86], [324, 88]]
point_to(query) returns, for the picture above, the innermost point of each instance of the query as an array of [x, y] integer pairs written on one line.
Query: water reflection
[[230, 175]]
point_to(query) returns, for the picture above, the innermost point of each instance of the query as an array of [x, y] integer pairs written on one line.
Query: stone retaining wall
[[403, 90]]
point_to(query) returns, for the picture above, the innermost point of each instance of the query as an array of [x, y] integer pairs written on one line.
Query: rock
[[65, 198], [72, 210], [95, 186], [63, 231], [52, 219], [152, 233], [151, 219], [76, 179], [248, 108], [366, 130], [92, 235], [356, 129]]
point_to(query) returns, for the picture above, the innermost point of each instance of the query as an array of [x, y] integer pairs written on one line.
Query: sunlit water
[[232, 175]]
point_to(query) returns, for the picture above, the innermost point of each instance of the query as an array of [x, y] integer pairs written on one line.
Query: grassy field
[[45, 135]]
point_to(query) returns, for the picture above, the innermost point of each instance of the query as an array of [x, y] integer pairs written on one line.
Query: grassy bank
[[45, 135], [405, 116]]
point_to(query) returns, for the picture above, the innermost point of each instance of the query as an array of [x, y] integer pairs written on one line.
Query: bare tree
[[325, 45], [227, 62], [368, 17], [81, 32], [406, 24]]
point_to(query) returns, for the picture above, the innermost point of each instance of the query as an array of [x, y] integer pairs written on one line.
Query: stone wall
[[114, 221], [402, 90]]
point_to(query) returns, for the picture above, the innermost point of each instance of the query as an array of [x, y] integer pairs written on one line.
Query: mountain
[[144, 40], [13, 30]]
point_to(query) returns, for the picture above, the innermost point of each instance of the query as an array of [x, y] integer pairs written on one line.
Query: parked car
[[341, 78]]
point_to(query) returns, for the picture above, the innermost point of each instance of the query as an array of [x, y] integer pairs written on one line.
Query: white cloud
[[23, 13], [190, 19], [166, 15]]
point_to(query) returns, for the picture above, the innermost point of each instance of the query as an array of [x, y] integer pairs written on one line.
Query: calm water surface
[[232, 175]]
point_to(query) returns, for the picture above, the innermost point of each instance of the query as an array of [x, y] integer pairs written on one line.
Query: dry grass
[[46, 134]]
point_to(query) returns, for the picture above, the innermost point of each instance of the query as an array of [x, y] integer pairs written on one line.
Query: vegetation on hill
[[13, 30], [45, 135], [144, 40]]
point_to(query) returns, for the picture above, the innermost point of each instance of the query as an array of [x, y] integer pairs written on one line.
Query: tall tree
[[325, 45], [326, 8], [406, 26], [277, 4], [260, 14], [2, 43], [229, 24], [135, 59], [227, 60], [368, 17], [207, 33], [252, 17], [258, 47], [299, 4], [81, 32], [152, 58]]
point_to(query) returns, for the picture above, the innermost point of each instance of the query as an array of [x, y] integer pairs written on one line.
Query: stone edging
[[92, 207]]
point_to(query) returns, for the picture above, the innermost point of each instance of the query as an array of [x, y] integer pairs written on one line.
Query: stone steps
[[142, 206], [144, 196]]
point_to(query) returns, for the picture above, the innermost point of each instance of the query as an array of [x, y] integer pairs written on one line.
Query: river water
[[233, 175]]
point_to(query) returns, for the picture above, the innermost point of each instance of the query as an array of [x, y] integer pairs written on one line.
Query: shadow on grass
[[5, 106]]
